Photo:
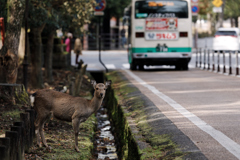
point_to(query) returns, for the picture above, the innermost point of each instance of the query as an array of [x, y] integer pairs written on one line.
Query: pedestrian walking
[[62, 39], [68, 47], [77, 48]]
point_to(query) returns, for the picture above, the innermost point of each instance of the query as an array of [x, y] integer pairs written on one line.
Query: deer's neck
[[96, 103]]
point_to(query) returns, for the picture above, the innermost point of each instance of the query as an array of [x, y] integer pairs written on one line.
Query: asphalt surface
[[162, 125], [204, 106]]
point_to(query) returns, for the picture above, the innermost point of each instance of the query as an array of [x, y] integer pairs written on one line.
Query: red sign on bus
[[153, 24]]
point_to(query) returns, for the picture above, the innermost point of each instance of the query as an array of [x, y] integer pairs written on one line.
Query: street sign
[[98, 13], [101, 5], [195, 10], [217, 9], [217, 3]]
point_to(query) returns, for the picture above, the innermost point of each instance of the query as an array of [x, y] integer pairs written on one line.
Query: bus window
[[161, 8]]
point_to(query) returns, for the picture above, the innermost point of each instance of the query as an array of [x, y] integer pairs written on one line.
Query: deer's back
[[61, 105]]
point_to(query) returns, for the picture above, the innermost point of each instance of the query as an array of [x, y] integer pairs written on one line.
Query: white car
[[226, 39]]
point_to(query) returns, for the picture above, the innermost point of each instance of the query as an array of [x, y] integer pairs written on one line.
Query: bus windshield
[[161, 8]]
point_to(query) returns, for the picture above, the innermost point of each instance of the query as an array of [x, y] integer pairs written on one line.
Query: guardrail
[[207, 59]]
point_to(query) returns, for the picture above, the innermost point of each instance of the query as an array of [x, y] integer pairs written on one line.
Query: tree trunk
[[222, 14], [9, 51], [21, 48], [49, 57], [236, 22], [213, 23], [37, 57], [231, 20]]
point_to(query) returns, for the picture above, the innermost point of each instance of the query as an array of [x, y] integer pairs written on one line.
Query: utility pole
[[221, 17]]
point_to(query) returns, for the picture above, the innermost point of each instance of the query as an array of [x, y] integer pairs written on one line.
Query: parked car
[[226, 39]]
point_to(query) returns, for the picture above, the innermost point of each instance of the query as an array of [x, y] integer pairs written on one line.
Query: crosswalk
[[113, 67]]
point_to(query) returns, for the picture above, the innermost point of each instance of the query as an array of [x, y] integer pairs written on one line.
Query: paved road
[[112, 59], [202, 104]]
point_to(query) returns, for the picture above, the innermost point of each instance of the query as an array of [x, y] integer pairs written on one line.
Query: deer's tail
[[32, 99]]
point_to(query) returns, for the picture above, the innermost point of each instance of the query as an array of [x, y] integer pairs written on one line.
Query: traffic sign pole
[[220, 3], [195, 10], [101, 5]]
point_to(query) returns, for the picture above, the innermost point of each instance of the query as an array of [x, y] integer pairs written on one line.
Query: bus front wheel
[[141, 67], [133, 66], [185, 66]]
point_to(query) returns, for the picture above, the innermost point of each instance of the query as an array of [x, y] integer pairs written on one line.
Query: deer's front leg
[[76, 123]]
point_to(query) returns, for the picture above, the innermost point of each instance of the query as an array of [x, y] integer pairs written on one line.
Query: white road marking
[[225, 141], [126, 65], [110, 66]]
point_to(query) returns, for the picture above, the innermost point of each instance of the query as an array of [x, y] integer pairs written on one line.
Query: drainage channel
[[105, 146], [104, 143]]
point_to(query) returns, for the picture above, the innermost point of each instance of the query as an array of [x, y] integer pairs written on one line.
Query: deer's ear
[[93, 82], [108, 83]]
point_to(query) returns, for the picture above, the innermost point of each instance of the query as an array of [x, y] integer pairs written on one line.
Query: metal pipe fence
[[227, 62], [108, 42]]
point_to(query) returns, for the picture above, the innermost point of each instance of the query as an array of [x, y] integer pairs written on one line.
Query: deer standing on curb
[[66, 107]]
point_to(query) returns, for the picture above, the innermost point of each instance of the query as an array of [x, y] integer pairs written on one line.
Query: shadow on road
[[161, 70]]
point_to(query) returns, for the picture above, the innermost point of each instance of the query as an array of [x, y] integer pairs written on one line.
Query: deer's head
[[100, 88]]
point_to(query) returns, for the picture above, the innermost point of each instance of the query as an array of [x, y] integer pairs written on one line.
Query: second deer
[[67, 108]]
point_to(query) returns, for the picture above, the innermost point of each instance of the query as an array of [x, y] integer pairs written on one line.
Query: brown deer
[[66, 107]]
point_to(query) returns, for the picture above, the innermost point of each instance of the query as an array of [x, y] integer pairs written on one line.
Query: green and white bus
[[160, 33]]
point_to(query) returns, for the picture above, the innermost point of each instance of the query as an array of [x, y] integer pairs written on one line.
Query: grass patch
[[60, 136], [12, 115], [8, 115]]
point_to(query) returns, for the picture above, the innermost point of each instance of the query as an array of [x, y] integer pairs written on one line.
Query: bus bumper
[[161, 58], [161, 61]]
